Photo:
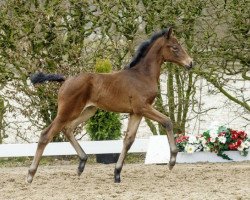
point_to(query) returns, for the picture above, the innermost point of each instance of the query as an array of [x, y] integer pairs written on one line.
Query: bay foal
[[131, 90]]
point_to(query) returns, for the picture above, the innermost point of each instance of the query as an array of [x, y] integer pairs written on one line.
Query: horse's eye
[[175, 48]]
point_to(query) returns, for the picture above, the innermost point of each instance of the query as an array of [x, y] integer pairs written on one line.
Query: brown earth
[[139, 181]]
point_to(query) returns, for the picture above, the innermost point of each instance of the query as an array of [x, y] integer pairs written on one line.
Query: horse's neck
[[150, 65]]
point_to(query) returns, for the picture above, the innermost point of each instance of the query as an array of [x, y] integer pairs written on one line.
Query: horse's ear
[[169, 32]]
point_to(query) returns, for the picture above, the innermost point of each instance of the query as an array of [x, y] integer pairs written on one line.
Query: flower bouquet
[[217, 141]]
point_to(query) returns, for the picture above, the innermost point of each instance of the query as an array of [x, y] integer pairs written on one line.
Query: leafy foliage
[[104, 126]]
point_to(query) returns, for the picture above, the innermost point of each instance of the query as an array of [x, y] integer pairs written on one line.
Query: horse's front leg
[[133, 124], [153, 114]]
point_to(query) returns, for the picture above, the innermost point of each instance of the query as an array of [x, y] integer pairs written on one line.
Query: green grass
[[62, 160]]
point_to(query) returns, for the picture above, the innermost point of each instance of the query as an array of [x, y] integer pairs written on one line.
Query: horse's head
[[173, 51]]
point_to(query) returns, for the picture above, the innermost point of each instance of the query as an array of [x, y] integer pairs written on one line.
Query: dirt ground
[[139, 181]]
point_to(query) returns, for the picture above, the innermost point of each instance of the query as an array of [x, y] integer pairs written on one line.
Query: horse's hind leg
[[133, 125], [85, 115], [46, 136]]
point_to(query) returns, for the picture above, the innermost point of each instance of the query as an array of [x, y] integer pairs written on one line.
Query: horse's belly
[[115, 105]]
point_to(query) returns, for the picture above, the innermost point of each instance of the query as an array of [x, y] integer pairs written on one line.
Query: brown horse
[[131, 90]]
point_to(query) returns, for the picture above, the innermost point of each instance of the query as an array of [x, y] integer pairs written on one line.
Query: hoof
[[81, 166], [31, 173], [170, 166], [171, 163], [29, 179], [173, 159], [117, 175], [79, 172], [117, 180]]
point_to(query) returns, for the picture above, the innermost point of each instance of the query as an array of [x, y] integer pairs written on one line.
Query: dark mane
[[143, 48]]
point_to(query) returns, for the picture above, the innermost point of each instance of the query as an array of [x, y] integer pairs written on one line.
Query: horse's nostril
[[191, 64]]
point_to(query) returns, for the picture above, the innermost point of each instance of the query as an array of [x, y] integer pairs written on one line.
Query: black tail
[[41, 77]]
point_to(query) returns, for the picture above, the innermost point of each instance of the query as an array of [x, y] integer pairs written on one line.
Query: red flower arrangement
[[237, 137], [223, 139]]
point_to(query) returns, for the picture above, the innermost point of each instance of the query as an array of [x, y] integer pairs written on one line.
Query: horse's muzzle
[[190, 65]]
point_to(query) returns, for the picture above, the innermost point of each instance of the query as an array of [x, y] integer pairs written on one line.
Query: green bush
[[104, 125]]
